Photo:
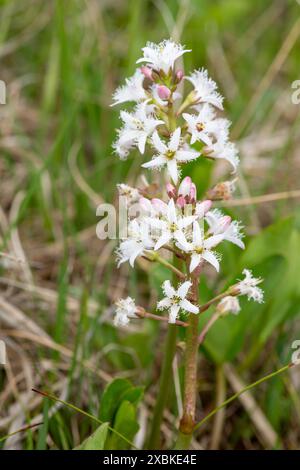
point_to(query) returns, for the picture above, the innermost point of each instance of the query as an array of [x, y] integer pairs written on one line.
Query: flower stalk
[[187, 421], [164, 388], [172, 218]]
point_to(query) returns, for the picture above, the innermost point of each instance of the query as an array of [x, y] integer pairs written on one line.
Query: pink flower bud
[[158, 205], [203, 207], [179, 75], [163, 92], [193, 193], [185, 186], [180, 202], [147, 72], [171, 190]]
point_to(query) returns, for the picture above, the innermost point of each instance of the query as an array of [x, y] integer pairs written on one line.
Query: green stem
[[165, 378], [220, 416], [170, 266], [183, 441], [206, 306], [187, 421], [164, 387]]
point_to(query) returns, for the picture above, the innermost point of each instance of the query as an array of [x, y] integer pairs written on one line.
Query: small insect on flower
[[162, 56], [176, 300], [125, 309], [170, 154], [248, 287]]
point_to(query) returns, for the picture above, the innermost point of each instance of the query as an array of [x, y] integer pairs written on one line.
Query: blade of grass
[[24, 429], [236, 395], [43, 431], [85, 413]]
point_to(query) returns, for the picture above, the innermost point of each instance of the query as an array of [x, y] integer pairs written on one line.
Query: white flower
[[226, 150], [229, 304], [138, 126], [203, 126], [200, 248], [171, 226], [170, 154], [131, 194], [248, 287], [205, 88], [125, 309], [222, 224], [132, 91], [176, 300], [135, 245], [162, 56], [120, 148]]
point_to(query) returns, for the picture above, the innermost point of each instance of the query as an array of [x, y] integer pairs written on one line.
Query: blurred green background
[[61, 61]]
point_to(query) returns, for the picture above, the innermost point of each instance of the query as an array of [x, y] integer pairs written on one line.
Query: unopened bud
[[180, 202], [179, 76], [185, 186], [171, 190], [163, 92], [147, 72], [193, 194]]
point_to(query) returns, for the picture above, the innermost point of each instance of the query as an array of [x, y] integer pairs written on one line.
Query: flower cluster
[[169, 128], [182, 224], [176, 300], [176, 129]]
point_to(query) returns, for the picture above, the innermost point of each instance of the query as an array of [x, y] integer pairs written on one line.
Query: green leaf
[[111, 398], [126, 424], [97, 440], [133, 395]]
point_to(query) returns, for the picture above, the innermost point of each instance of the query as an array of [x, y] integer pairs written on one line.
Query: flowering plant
[[177, 129]]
